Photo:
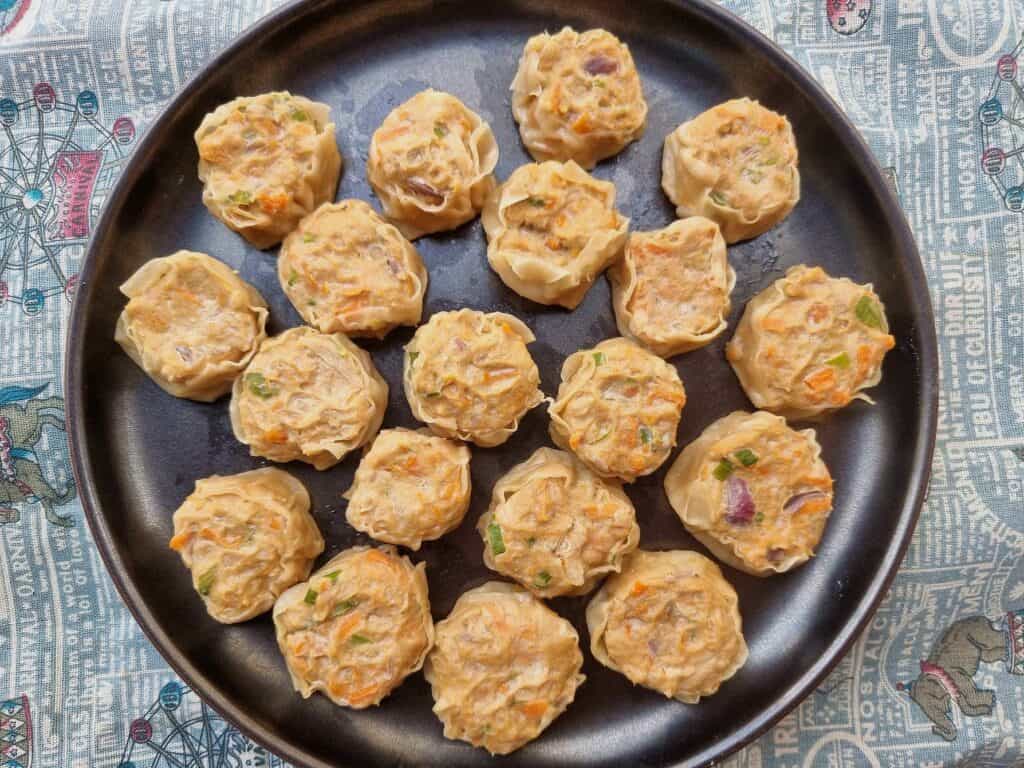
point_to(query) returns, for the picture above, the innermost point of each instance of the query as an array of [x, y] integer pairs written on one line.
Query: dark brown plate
[[137, 451]]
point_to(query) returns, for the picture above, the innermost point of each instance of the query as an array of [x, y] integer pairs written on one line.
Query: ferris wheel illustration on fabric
[[58, 162], [1001, 115], [180, 731]]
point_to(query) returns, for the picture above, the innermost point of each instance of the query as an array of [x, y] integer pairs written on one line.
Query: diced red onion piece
[[600, 65], [793, 503], [460, 344], [423, 189], [739, 503], [775, 555]]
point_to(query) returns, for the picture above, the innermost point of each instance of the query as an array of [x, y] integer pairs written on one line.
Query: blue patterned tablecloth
[[936, 89]]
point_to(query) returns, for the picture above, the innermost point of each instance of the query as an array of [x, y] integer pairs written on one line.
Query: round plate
[[137, 451]]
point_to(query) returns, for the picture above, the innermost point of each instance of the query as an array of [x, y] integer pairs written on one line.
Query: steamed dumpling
[[191, 323], [671, 288], [618, 409], [552, 228], [504, 667], [357, 628], [754, 491], [410, 487], [265, 162], [469, 376], [577, 96], [735, 164], [246, 538], [810, 343], [308, 396], [431, 163], [346, 269], [670, 622], [555, 527]]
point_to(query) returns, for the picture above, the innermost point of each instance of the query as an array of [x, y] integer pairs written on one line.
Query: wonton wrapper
[[809, 343], [555, 527], [670, 622], [780, 471], [357, 628], [191, 323], [577, 96], [346, 269], [468, 375], [265, 162], [618, 409], [246, 538], [410, 487], [504, 667], [431, 163], [671, 288], [552, 228], [308, 396], [736, 164]]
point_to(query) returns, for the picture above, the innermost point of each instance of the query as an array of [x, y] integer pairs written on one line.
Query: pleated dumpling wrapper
[[556, 527], [265, 162], [754, 491], [735, 164], [346, 269], [809, 344], [246, 539], [669, 621], [577, 96], [357, 628], [618, 409], [432, 164], [469, 376], [671, 288], [411, 486], [504, 667], [552, 229], [191, 323], [308, 396]]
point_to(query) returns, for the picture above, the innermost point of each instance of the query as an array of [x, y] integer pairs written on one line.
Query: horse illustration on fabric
[[947, 675], [22, 418]]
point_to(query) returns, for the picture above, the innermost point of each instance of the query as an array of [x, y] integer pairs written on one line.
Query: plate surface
[[137, 451]]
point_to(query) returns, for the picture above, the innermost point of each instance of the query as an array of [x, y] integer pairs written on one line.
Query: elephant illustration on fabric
[[947, 675], [22, 418]]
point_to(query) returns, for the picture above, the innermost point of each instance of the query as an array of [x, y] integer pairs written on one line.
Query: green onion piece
[[242, 108], [240, 197], [537, 202], [602, 436], [764, 141], [311, 302], [205, 582], [599, 358], [433, 394], [746, 457], [718, 197], [759, 517], [842, 360], [494, 534], [412, 357], [359, 640], [868, 312], [543, 579], [333, 575], [258, 385], [310, 597], [723, 470], [646, 435], [308, 238], [440, 130], [345, 606], [772, 159], [300, 115], [293, 277], [599, 83]]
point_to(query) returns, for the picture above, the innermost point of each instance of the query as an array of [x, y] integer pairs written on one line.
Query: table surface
[[938, 677]]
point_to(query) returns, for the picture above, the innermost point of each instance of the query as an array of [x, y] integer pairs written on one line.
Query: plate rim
[[927, 355]]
